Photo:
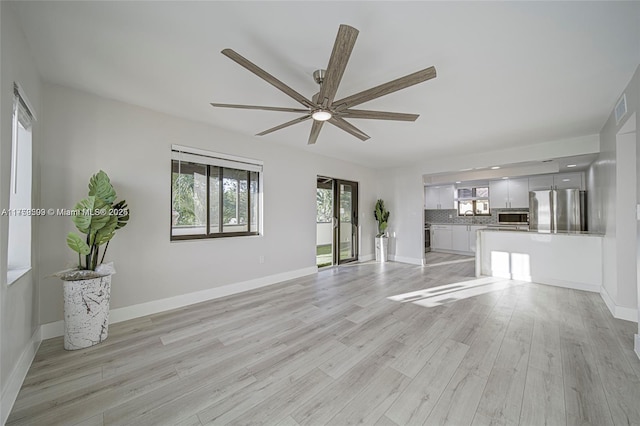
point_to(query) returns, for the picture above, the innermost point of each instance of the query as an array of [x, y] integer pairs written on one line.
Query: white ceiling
[[509, 73]]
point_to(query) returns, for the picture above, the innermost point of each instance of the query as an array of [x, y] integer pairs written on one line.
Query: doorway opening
[[336, 221]]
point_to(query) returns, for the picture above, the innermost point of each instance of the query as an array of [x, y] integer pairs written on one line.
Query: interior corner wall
[[18, 302], [86, 133], [613, 196]]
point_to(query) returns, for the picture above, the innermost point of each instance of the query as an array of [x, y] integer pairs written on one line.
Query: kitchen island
[[564, 259]]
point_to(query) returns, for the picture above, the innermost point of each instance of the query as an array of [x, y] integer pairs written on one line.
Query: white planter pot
[[86, 312], [382, 249]]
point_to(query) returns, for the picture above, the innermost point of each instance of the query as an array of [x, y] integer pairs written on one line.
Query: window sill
[[14, 275]]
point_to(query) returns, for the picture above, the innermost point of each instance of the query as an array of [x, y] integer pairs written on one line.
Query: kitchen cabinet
[[441, 238], [568, 181], [460, 238], [509, 193], [439, 197], [557, 181], [463, 237], [540, 183]]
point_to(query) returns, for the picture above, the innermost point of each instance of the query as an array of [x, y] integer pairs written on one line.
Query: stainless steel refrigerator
[[558, 210]]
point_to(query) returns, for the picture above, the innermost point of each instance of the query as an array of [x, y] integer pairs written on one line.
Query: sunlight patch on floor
[[436, 296]]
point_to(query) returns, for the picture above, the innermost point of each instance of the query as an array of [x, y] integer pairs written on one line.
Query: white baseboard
[[402, 259], [594, 288], [55, 329], [637, 346], [366, 257], [608, 301], [17, 376], [620, 312]]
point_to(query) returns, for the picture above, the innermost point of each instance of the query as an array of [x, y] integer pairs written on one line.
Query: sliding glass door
[[346, 216], [336, 221]]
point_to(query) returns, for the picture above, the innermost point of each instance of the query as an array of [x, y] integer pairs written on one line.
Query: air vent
[[621, 108]]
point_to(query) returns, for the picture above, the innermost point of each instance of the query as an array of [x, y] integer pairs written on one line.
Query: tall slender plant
[[382, 216], [99, 217]]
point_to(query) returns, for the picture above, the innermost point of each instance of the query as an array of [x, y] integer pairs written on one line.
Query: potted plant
[[87, 287], [382, 217]]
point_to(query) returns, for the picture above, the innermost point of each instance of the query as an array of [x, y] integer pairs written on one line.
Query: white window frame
[[20, 216]]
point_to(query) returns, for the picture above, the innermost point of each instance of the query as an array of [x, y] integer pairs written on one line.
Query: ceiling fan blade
[[348, 127], [229, 53], [287, 124], [380, 115], [386, 88], [345, 40], [265, 108], [315, 131]]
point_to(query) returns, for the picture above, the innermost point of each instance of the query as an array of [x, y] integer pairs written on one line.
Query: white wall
[[18, 302], [613, 190], [403, 190], [85, 133]]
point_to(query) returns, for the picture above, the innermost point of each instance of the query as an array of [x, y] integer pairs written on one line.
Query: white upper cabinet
[[446, 197], [568, 181], [509, 193], [518, 193], [557, 181], [431, 197], [438, 197], [540, 183], [498, 194]]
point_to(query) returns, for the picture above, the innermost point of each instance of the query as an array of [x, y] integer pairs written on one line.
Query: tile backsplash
[[442, 216]]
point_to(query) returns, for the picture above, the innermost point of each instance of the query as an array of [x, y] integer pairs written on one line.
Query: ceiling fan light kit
[[322, 107], [321, 115]]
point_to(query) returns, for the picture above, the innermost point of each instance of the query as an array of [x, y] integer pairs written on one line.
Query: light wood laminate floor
[[375, 344]]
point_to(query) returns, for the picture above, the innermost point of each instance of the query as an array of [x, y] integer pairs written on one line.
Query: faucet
[[473, 218]]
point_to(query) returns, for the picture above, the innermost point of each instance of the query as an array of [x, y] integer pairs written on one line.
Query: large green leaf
[[83, 214], [100, 187], [100, 215], [107, 232], [122, 211], [77, 244]]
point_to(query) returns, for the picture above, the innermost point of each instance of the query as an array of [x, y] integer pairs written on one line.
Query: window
[[19, 234], [213, 195], [473, 201]]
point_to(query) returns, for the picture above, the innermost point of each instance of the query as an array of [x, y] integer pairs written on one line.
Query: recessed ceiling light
[[458, 181], [566, 180], [495, 167], [506, 177], [466, 170], [571, 165]]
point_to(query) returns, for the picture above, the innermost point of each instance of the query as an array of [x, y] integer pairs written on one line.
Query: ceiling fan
[[323, 107]]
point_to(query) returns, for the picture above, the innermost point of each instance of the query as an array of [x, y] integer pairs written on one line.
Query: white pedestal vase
[[86, 312], [382, 249]]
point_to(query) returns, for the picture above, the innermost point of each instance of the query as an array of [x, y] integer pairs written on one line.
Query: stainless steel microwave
[[513, 218]]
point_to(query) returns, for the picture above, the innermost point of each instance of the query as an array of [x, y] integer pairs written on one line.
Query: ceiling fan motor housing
[[318, 76]]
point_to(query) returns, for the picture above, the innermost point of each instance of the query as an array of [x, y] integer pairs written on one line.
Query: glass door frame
[[337, 260]]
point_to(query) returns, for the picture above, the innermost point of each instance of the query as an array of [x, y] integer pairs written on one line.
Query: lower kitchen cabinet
[[441, 238], [473, 236], [457, 238], [460, 238]]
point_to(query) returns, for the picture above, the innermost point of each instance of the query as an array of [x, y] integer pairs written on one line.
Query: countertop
[[584, 233], [493, 227]]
